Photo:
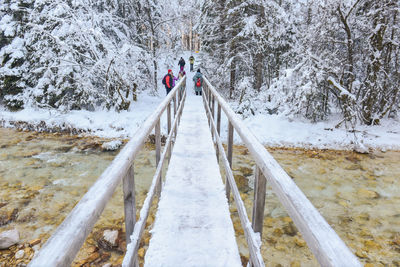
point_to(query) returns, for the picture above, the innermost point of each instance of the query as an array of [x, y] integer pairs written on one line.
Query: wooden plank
[[158, 151], [61, 248], [229, 157], [136, 236], [254, 249], [260, 187], [313, 227]]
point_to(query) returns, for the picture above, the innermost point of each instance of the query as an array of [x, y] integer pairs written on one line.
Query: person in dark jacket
[[191, 61], [168, 81], [198, 82], [181, 63]]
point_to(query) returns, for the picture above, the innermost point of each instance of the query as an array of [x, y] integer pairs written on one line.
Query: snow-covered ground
[[271, 130], [275, 130]]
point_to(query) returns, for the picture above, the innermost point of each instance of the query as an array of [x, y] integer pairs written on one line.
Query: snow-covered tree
[[247, 39], [14, 17], [379, 91], [344, 55], [77, 55]]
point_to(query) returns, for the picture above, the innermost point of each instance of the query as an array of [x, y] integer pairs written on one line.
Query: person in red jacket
[[168, 81]]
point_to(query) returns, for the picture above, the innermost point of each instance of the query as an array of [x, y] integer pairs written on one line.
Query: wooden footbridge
[[193, 226]]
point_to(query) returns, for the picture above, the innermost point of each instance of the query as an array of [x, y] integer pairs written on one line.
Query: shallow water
[[42, 177], [358, 195]]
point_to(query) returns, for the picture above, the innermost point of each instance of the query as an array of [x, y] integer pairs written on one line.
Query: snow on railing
[[132, 248], [251, 237], [323, 241], [62, 247]]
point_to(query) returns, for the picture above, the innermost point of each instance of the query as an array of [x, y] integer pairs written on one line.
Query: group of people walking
[[169, 79]]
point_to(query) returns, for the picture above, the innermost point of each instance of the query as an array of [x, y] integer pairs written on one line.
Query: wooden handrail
[[62, 247], [254, 247], [323, 241], [136, 236]]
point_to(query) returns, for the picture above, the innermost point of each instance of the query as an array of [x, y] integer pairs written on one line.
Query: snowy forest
[[309, 58]]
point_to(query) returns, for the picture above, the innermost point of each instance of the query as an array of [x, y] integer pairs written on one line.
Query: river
[[42, 177]]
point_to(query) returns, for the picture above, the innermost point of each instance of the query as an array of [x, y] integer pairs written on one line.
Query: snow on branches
[[69, 55]]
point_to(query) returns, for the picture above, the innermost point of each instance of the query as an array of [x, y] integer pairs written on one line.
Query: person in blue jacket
[[198, 82]]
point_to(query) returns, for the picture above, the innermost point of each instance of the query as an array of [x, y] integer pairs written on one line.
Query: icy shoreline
[[271, 130]]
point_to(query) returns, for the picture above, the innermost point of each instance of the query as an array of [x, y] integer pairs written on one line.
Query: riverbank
[[271, 130]]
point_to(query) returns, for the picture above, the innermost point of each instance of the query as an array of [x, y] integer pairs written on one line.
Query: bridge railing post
[[209, 99], [179, 96], [128, 188], [169, 126], [158, 152], [174, 99], [260, 187], [229, 157], [213, 107], [129, 202], [212, 114], [218, 125]]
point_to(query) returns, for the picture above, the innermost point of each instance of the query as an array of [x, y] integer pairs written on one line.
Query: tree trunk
[[232, 78], [153, 46], [258, 71]]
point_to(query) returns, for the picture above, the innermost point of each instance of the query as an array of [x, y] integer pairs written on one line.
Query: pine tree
[[14, 17]]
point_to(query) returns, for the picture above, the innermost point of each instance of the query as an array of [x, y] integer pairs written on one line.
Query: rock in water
[[19, 254], [112, 145], [9, 238], [110, 236], [360, 148], [365, 193]]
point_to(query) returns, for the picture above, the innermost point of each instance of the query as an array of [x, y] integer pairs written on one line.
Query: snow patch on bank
[[103, 123], [276, 130]]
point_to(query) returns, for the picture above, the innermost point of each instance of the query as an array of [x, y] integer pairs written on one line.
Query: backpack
[[198, 83], [163, 80]]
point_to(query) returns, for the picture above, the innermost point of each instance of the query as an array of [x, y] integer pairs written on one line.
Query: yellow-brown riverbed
[[42, 177]]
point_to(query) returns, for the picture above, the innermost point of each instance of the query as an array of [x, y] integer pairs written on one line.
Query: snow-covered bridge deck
[[193, 226]]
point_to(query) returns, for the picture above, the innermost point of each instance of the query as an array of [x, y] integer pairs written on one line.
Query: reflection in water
[[42, 177]]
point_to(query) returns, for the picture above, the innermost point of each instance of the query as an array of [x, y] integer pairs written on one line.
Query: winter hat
[[198, 70], [169, 71]]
